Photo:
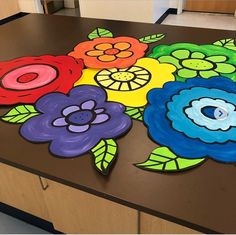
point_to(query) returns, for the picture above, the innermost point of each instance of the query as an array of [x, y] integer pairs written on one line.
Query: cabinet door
[[22, 190], [150, 224], [74, 211], [221, 6]]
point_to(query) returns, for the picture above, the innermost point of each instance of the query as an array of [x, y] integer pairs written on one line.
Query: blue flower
[[195, 119]]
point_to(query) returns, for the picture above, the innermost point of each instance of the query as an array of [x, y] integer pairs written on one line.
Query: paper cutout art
[[25, 79], [163, 160], [197, 60], [119, 52], [135, 113], [104, 154], [100, 33], [152, 38], [129, 86], [198, 115], [75, 123], [20, 114], [228, 43]]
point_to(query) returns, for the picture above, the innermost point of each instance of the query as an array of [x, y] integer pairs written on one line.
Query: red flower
[[25, 79], [120, 52]]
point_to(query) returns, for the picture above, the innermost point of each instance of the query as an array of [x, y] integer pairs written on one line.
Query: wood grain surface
[[221, 6]]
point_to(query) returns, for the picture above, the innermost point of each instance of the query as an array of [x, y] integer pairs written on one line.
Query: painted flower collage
[[82, 102]]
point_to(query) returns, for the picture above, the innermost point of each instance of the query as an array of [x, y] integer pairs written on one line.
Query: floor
[[11, 225], [202, 20], [68, 12]]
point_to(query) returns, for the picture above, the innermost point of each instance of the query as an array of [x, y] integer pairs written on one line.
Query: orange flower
[[120, 52]]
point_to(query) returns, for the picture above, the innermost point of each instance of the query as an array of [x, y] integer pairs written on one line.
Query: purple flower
[[75, 123]]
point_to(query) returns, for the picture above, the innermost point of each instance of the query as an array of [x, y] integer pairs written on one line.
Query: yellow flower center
[[123, 76]]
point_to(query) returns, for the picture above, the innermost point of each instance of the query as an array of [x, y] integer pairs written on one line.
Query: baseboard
[[28, 218], [13, 17], [168, 12]]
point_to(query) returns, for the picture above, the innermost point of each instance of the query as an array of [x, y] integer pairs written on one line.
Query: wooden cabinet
[[74, 211], [22, 190], [221, 6], [151, 224]]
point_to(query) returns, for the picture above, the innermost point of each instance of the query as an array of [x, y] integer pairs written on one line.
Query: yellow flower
[[130, 86]]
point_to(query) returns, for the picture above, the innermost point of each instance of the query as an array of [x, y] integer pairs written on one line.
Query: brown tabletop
[[202, 198]]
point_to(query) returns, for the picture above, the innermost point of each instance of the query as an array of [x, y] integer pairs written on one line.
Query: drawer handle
[[43, 183]]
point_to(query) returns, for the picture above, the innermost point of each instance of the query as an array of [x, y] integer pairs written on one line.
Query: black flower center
[[213, 112], [81, 117]]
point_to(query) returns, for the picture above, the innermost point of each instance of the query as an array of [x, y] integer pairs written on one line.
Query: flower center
[[28, 77], [81, 117], [112, 51], [214, 112], [197, 64], [122, 76]]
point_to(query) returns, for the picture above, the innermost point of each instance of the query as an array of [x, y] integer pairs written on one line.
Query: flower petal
[[225, 68], [103, 46], [217, 58], [124, 54], [208, 74], [197, 55], [60, 122], [169, 59], [99, 110], [122, 46], [100, 118], [70, 109], [78, 129], [107, 58], [94, 53], [90, 104], [187, 73], [181, 54]]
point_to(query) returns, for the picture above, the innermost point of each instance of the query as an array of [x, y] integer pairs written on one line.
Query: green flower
[[197, 60]]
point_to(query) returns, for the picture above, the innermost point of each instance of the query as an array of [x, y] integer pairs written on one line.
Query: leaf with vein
[[163, 160], [152, 38], [100, 33], [20, 114], [104, 154]]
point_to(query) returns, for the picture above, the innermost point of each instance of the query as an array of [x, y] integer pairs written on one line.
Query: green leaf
[[152, 38], [162, 159], [135, 113], [20, 114], [104, 154], [227, 43], [100, 33]]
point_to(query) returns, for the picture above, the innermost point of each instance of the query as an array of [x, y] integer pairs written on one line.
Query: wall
[[30, 6], [173, 3], [160, 7], [8, 8], [130, 10]]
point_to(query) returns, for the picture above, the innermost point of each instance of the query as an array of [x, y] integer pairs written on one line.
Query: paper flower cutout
[[129, 86], [25, 79], [76, 123], [199, 116], [197, 61], [119, 52]]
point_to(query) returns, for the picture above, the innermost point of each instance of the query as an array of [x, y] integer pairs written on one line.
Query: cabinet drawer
[[22, 190], [74, 211]]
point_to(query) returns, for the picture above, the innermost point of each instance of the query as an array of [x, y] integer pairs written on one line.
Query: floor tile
[[202, 20], [68, 12], [12, 225]]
